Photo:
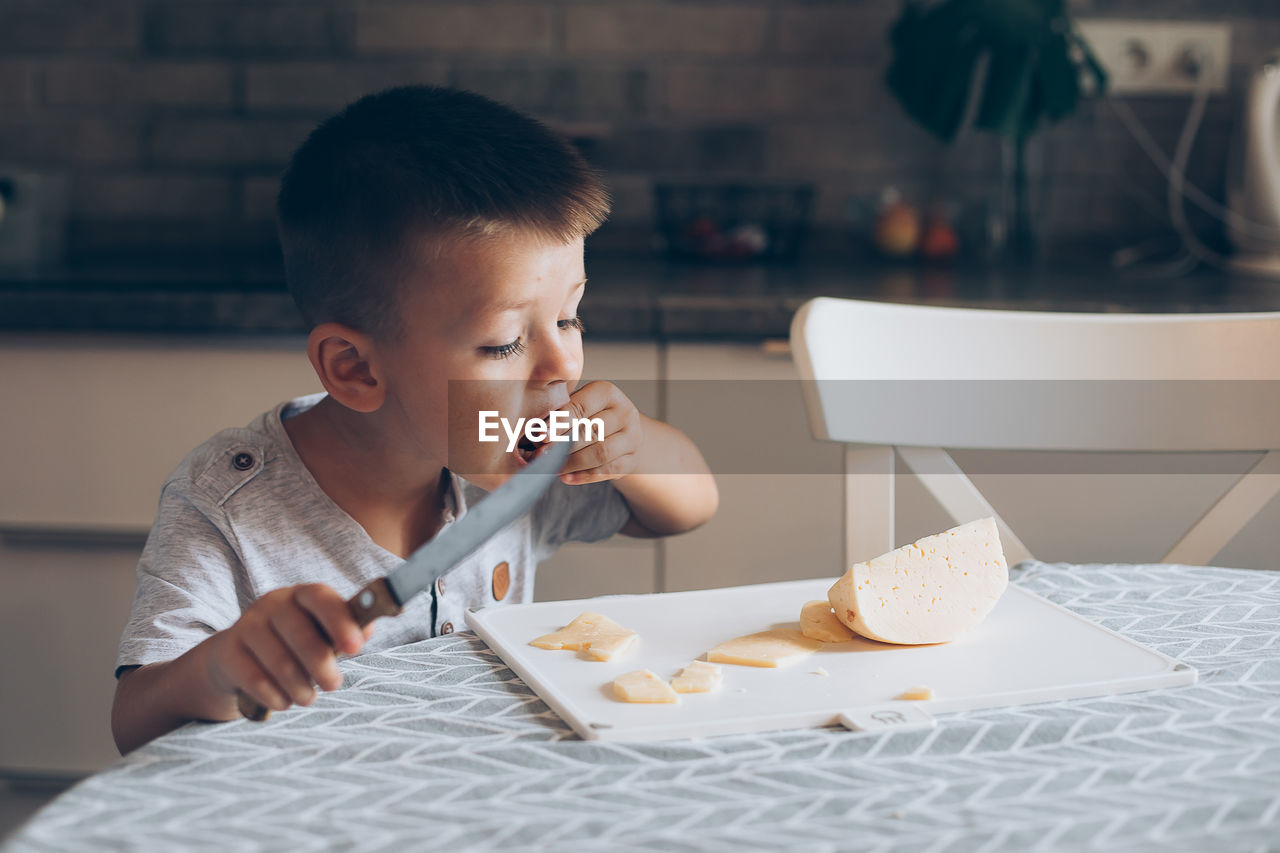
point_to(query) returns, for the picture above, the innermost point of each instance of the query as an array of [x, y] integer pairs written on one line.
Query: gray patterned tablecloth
[[438, 746]]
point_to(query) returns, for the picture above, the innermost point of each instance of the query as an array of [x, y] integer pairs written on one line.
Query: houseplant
[[1001, 66]]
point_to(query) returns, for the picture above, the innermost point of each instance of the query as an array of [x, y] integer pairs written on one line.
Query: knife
[[387, 595]]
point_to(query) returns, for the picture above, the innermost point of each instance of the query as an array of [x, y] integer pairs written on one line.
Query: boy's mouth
[[526, 448]]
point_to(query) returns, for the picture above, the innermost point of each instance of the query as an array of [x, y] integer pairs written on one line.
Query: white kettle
[[1253, 192]]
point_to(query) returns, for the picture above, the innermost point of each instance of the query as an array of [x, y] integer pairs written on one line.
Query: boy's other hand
[[615, 456], [285, 645]]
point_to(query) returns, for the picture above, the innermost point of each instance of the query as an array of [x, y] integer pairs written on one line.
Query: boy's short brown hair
[[418, 163]]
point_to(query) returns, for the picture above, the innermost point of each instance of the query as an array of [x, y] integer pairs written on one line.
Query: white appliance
[[1253, 193]]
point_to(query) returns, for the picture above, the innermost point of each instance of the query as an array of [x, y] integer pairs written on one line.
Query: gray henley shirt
[[242, 515]]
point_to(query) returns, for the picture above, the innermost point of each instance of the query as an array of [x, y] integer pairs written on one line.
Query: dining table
[[438, 745]]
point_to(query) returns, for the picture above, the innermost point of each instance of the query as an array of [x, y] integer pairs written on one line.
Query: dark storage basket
[[733, 223]]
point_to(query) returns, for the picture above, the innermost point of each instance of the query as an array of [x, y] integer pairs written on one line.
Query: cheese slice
[[597, 636], [698, 677], [818, 622], [931, 591], [643, 686], [779, 647]]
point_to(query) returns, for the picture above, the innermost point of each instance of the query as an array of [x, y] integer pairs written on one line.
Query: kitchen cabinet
[[620, 564], [781, 491], [92, 427], [62, 606]]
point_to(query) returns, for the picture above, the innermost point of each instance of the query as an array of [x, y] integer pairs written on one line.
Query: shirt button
[[446, 628], [440, 586], [242, 461], [501, 580]]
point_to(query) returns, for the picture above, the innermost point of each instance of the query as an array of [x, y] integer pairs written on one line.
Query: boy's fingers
[[247, 673], [592, 456], [589, 400], [331, 612], [598, 400], [278, 661], [611, 422], [599, 453], [307, 640], [610, 470]]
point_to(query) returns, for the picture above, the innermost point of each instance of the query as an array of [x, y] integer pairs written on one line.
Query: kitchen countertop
[[634, 297]]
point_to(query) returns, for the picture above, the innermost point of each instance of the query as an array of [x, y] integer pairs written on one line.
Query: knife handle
[[371, 602]]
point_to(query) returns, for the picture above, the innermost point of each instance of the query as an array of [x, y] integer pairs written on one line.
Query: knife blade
[[387, 595]]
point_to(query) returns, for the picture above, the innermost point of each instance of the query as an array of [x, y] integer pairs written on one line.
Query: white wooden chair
[[918, 379]]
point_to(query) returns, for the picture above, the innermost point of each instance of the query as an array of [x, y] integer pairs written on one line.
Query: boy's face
[[497, 316]]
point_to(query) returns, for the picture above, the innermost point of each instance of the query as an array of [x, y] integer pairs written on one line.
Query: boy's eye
[[505, 350], [517, 346]]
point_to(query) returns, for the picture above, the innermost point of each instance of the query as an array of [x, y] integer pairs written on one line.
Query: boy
[[429, 235]]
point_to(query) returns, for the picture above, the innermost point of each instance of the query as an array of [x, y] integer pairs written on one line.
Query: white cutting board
[[1027, 650]]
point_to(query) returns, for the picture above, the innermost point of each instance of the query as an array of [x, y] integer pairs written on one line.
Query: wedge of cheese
[[779, 647], [643, 686], [931, 591], [819, 622], [597, 636], [698, 677]]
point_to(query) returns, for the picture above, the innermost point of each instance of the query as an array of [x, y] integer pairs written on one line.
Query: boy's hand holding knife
[[285, 643]]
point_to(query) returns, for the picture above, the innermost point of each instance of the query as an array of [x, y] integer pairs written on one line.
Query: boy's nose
[[558, 361]]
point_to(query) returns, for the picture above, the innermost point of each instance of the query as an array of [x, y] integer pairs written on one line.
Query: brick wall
[[174, 118]]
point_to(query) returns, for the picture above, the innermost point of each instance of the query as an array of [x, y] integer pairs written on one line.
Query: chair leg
[[1229, 515], [957, 494], [868, 502]]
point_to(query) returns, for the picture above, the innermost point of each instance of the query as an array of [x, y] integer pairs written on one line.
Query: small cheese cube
[[779, 647], [698, 677], [643, 686], [818, 622], [597, 636]]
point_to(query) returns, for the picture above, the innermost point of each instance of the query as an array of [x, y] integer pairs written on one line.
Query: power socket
[[1159, 57]]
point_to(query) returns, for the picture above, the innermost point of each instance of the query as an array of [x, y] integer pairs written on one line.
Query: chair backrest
[[880, 376], [966, 378]]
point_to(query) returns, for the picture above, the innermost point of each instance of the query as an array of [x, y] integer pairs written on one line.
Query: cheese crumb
[[597, 636], [916, 693], [821, 671]]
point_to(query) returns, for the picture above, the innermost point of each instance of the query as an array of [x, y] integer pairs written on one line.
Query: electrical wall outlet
[[1159, 57]]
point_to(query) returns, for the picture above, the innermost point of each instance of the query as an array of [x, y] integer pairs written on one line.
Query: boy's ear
[[344, 360]]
